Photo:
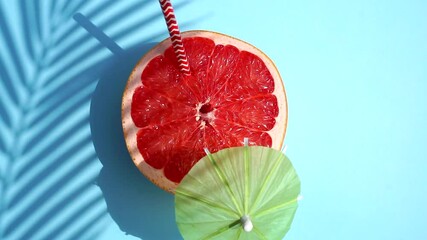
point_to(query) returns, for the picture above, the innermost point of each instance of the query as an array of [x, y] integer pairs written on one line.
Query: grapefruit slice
[[234, 91]]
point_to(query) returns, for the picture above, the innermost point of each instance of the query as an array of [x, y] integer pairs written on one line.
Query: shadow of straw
[[136, 205]]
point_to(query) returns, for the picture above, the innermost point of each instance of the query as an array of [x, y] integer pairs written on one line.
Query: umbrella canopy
[[238, 193]]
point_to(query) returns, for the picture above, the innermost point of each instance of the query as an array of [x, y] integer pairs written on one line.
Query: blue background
[[355, 73]]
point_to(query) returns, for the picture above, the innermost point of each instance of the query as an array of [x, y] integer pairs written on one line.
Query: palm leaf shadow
[[53, 101], [13, 227]]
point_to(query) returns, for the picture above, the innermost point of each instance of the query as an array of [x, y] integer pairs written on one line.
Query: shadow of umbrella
[[137, 206]]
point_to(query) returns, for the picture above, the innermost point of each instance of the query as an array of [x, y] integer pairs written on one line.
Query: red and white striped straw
[[175, 35]]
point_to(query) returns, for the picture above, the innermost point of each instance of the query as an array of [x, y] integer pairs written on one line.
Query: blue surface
[[356, 78]]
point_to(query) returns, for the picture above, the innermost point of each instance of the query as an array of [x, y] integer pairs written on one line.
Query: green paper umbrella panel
[[248, 192]]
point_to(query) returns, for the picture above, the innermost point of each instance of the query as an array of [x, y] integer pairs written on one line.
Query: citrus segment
[[158, 143], [233, 134], [150, 107], [258, 113], [222, 65], [250, 77], [198, 54], [231, 94], [161, 75]]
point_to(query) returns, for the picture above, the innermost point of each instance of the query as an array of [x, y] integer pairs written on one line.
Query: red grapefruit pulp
[[234, 91]]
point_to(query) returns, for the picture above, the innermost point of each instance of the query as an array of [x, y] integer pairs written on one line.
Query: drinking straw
[[175, 35]]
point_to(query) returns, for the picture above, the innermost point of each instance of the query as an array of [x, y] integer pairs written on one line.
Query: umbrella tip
[[284, 148], [206, 151], [246, 141], [246, 223]]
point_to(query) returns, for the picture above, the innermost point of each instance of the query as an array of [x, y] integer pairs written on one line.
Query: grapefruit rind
[[156, 176]]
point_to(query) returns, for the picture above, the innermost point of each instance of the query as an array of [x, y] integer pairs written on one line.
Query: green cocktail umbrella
[[238, 193]]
